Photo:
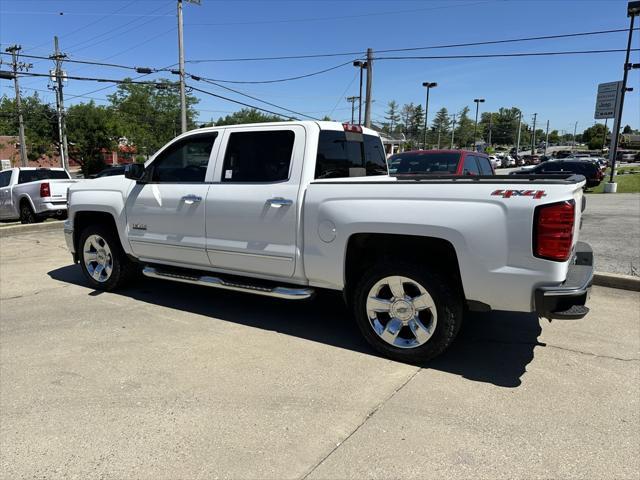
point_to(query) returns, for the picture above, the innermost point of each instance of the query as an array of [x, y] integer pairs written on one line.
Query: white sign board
[[4, 164], [607, 100]]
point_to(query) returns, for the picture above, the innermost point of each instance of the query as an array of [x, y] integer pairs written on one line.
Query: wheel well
[[83, 219], [24, 200], [366, 249]]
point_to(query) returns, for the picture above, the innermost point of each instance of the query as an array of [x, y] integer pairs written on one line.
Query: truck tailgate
[[58, 189]]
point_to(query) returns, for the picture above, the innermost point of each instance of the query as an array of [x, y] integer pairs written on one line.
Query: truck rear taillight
[[553, 231], [45, 190], [352, 128]]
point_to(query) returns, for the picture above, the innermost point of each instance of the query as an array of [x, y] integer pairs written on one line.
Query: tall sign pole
[[519, 129], [633, 9]]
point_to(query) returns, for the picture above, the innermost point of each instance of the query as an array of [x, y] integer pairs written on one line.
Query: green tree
[[464, 129], [416, 125], [441, 125], [40, 124], [149, 116], [392, 116], [594, 136], [406, 114], [92, 133], [248, 115]]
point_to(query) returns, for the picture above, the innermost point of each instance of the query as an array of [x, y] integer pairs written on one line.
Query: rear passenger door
[[6, 205], [252, 206]]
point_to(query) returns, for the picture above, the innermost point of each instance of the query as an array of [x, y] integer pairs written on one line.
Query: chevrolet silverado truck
[[286, 209], [33, 194]]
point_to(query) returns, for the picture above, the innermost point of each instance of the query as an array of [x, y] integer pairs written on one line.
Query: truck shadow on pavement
[[493, 347]]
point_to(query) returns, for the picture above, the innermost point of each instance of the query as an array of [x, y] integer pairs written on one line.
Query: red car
[[440, 162]]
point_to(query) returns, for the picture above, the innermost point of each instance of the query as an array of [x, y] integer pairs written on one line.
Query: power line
[[342, 17], [89, 62], [278, 80], [236, 101], [97, 79], [499, 55], [511, 40], [194, 77]]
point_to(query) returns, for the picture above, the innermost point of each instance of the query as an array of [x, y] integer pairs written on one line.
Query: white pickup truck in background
[[284, 209], [33, 194]]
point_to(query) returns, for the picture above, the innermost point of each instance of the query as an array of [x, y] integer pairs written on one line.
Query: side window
[[185, 161], [340, 154], [374, 155], [470, 166], [260, 156], [551, 167], [5, 178], [485, 166]]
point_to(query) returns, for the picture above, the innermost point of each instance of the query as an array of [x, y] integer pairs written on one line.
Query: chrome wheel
[[401, 312], [97, 258]]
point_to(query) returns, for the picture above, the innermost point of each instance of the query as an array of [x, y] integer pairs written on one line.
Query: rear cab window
[[485, 165], [26, 176], [470, 166], [5, 178], [437, 163], [349, 154]]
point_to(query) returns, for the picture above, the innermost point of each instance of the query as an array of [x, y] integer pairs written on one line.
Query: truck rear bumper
[[567, 300]]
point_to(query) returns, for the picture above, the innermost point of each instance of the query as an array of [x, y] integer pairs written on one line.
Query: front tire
[[104, 263], [407, 313]]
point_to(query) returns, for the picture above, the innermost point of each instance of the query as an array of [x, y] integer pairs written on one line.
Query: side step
[[195, 278], [576, 312]]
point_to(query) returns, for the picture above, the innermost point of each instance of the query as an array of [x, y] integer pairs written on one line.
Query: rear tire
[[407, 313], [104, 263], [27, 215]]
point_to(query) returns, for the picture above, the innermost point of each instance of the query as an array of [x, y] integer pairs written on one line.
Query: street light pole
[[475, 127], [361, 66], [429, 86], [546, 141], [575, 127], [519, 130], [533, 135]]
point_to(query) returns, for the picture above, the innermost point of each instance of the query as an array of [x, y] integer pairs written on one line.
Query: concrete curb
[[614, 280], [12, 230]]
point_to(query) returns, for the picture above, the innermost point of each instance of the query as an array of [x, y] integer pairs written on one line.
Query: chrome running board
[[288, 293]]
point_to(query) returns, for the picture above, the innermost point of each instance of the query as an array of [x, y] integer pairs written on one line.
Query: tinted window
[[349, 154], [485, 166], [439, 163], [551, 167], [262, 156], [470, 166], [185, 161], [5, 178], [374, 156], [27, 176]]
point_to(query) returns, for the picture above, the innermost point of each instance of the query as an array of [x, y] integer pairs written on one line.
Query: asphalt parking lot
[[173, 381]]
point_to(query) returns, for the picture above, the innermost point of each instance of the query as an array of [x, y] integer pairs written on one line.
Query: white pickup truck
[[284, 209], [33, 194]]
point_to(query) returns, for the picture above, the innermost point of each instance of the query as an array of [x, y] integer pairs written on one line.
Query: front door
[[252, 206], [166, 215]]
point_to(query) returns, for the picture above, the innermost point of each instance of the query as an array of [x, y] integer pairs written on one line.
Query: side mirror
[[134, 171]]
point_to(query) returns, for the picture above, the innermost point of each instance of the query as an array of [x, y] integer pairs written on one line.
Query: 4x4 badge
[[536, 194], [138, 226]]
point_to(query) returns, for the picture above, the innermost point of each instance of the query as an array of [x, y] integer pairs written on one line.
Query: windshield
[[27, 176], [442, 163]]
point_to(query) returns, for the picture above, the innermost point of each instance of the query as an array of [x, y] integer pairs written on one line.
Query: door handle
[[279, 202], [191, 199]]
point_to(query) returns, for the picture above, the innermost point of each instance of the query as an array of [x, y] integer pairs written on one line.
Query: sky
[[560, 89]]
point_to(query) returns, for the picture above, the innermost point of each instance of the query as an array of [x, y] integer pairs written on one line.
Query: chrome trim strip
[[288, 293], [259, 255]]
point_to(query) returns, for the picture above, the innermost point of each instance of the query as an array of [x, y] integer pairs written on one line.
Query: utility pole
[[575, 128], [58, 77], [352, 101], [367, 105], [183, 98], [439, 130], [533, 135], [519, 130], [546, 141], [13, 50], [453, 130]]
